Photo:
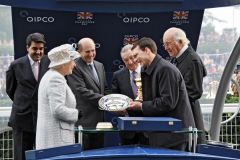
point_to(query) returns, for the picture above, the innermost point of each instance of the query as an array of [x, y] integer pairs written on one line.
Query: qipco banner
[[110, 31]]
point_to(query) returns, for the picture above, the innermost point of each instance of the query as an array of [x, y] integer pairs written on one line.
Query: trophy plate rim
[[114, 102]]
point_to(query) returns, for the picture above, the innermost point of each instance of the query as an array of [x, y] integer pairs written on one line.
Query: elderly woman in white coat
[[57, 111]]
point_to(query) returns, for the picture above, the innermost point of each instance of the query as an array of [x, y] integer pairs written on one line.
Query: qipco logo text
[[40, 19], [136, 19]]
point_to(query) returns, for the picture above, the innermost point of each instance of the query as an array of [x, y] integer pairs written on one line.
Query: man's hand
[[135, 105]]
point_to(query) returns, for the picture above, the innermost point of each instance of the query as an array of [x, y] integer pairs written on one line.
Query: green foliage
[[231, 99], [8, 145], [229, 129]]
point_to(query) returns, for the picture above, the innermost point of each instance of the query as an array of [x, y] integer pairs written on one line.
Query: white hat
[[61, 55]]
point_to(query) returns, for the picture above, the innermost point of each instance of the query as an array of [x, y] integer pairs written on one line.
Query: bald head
[[175, 34], [83, 42], [86, 48], [174, 40]]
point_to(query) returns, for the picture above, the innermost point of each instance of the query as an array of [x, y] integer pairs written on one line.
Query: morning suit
[[88, 92], [193, 71], [165, 95], [57, 112], [121, 84], [22, 88]]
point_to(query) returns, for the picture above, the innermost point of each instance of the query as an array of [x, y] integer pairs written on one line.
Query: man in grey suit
[[123, 83], [164, 94], [192, 69], [88, 83], [22, 80]]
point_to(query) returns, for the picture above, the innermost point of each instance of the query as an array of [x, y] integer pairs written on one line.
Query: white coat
[[57, 112]]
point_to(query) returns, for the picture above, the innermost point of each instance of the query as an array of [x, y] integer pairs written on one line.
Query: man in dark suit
[[191, 68], [123, 83], [88, 83], [164, 94], [22, 79]]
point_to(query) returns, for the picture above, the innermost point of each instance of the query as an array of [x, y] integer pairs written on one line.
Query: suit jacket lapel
[[43, 67], [28, 66], [126, 78], [182, 57], [100, 75], [86, 68]]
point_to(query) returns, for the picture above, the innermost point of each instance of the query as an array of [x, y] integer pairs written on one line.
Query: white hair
[[180, 35], [126, 48]]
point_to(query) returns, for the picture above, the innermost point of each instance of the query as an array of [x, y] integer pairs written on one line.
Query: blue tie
[[94, 72], [133, 84]]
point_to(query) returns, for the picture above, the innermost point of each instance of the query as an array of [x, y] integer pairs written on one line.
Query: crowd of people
[[228, 35], [52, 94], [214, 49]]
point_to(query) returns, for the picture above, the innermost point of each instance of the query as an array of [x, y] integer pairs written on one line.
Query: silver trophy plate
[[114, 102]]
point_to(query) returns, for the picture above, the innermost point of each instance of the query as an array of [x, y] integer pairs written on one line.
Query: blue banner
[[110, 31], [115, 6]]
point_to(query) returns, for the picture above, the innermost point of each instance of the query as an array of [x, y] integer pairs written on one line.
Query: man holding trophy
[[124, 82], [163, 94]]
